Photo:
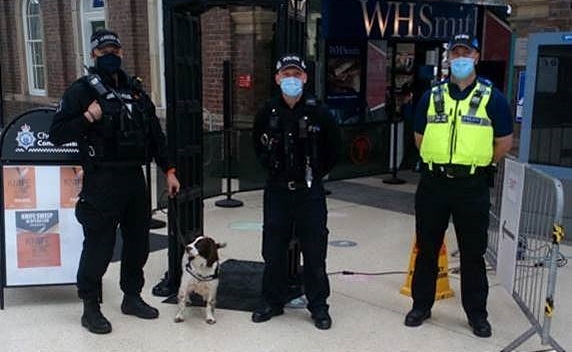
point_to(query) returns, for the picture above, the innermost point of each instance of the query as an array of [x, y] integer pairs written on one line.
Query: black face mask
[[108, 63]]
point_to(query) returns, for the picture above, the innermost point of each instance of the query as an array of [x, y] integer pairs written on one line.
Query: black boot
[[134, 305], [92, 318]]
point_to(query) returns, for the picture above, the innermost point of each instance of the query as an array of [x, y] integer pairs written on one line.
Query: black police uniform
[[113, 193], [298, 146]]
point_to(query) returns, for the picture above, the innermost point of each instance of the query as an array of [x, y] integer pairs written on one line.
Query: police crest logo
[[25, 137], [200, 266]]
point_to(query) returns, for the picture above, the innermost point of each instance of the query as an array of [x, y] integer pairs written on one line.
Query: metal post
[[394, 180], [227, 115]]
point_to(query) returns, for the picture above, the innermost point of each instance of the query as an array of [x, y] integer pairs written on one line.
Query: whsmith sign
[[397, 20]]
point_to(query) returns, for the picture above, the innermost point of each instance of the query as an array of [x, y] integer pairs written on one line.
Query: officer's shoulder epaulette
[[440, 83], [485, 81]]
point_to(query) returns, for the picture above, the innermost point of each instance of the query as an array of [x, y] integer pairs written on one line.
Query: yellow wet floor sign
[[443, 289]]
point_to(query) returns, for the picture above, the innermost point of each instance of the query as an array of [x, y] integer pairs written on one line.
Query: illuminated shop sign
[[413, 20]]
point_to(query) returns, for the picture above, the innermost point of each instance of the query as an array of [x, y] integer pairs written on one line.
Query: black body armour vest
[[292, 145], [119, 138]]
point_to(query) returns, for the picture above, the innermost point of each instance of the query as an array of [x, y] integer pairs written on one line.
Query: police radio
[[272, 139], [95, 82]]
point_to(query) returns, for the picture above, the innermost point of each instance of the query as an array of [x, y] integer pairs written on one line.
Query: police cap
[[104, 37], [290, 61], [464, 39]]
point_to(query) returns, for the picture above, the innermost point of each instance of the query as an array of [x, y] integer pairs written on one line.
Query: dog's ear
[[213, 254], [220, 244]]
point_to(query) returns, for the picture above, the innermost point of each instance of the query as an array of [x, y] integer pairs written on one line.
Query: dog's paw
[[211, 321], [179, 319]]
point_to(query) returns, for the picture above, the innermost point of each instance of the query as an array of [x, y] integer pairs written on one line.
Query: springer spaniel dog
[[200, 275]]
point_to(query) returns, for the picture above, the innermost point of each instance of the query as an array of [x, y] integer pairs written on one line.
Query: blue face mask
[[291, 86], [108, 63], [462, 67]]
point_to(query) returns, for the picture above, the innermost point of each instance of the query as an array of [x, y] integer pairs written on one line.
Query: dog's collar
[[189, 268]]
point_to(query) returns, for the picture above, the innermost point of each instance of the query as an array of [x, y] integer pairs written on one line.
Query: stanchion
[[443, 289], [227, 116], [394, 180], [392, 111]]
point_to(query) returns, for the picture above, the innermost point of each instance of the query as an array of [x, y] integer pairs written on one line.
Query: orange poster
[[19, 187], [70, 185], [38, 239]]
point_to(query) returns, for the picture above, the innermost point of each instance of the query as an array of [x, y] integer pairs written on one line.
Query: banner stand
[[41, 239]]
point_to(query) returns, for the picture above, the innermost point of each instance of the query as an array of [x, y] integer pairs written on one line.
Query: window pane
[[37, 53], [33, 7], [95, 25], [39, 78], [34, 42], [35, 29]]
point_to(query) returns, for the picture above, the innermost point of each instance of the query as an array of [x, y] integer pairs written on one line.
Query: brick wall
[[530, 16], [9, 67], [263, 62], [128, 18], [242, 35], [251, 56], [58, 44], [216, 48]]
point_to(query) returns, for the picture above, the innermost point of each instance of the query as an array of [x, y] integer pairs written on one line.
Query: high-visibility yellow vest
[[458, 131]]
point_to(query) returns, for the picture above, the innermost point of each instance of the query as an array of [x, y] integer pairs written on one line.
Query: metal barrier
[[494, 217], [536, 246]]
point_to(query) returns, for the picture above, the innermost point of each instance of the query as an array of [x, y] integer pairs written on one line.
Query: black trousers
[[306, 210], [467, 201], [112, 197]]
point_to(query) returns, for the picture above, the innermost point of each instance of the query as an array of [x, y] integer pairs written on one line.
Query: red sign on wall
[[245, 81]]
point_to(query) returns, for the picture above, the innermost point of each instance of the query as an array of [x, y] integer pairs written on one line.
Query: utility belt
[[121, 166], [120, 148], [291, 185], [454, 170]]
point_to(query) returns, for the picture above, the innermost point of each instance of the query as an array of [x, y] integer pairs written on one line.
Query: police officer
[[462, 127], [114, 123], [297, 141]]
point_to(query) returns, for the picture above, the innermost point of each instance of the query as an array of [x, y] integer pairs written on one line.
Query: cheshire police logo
[[25, 137]]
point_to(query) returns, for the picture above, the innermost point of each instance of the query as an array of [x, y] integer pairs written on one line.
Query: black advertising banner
[[26, 138], [345, 81], [344, 71], [397, 20]]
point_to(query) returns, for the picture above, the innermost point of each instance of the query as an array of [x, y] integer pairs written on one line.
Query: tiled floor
[[368, 310]]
